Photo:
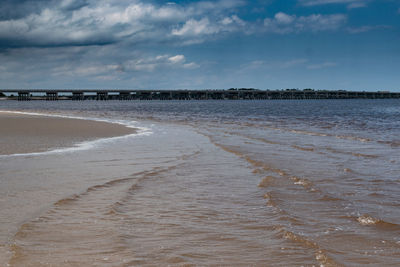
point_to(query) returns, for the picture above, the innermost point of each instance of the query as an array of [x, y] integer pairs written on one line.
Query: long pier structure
[[230, 94]]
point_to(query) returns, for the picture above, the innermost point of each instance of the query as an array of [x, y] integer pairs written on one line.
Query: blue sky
[[265, 44]]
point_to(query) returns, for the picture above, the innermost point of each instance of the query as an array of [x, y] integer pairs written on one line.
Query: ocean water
[[231, 183]]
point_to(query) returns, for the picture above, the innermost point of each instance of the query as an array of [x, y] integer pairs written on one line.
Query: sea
[[209, 183]]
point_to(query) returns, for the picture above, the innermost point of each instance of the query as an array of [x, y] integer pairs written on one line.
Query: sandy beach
[[21, 133]]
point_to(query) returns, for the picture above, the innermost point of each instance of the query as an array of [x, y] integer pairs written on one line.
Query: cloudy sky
[[150, 44]]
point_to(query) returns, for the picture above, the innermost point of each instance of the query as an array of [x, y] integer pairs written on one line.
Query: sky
[[139, 44]]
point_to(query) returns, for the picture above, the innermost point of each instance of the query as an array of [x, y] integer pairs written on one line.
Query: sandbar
[[23, 133]]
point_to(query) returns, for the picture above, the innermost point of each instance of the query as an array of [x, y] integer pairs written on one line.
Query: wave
[[303, 148], [371, 221], [270, 201], [329, 198], [303, 132], [266, 181], [393, 143], [355, 154], [259, 167], [31, 241], [306, 132], [348, 170], [86, 145], [320, 255], [306, 183], [368, 220], [263, 140], [298, 238], [307, 148], [354, 138], [364, 155]]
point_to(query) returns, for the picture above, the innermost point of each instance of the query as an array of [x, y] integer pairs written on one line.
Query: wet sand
[[20, 133]]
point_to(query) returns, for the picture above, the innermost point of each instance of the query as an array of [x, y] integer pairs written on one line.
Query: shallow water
[[281, 183]]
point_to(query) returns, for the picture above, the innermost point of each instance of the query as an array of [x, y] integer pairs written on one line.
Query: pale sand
[[21, 133]]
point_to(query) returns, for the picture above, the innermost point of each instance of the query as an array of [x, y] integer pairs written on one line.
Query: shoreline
[[30, 133], [25, 134]]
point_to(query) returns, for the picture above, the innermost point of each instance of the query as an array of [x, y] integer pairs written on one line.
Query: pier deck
[[231, 94]]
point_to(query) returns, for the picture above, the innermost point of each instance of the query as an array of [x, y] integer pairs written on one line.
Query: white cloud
[[282, 18], [191, 65], [321, 65], [350, 3], [161, 61], [91, 22], [194, 27], [100, 22], [367, 28], [215, 6], [234, 19], [253, 65], [292, 63], [283, 23], [114, 69], [272, 65], [177, 59], [357, 5], [94, 70]]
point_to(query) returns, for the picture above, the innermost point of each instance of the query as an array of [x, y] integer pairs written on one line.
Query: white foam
[[140, 131], [367, 220]]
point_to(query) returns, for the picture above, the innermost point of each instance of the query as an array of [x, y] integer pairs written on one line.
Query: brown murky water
[[211, 189]]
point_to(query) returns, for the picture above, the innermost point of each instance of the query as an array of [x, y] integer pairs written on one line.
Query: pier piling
[[103, 95], [77, 96], [24, 96], [51, 96], [231, 94]]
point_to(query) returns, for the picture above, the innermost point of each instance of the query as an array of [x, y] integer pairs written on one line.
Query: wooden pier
[[231, 94]]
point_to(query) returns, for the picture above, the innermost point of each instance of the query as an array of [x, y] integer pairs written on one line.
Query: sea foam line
[[85, 145]]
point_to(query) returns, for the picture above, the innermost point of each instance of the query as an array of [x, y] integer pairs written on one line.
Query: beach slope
[[24, 133]]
